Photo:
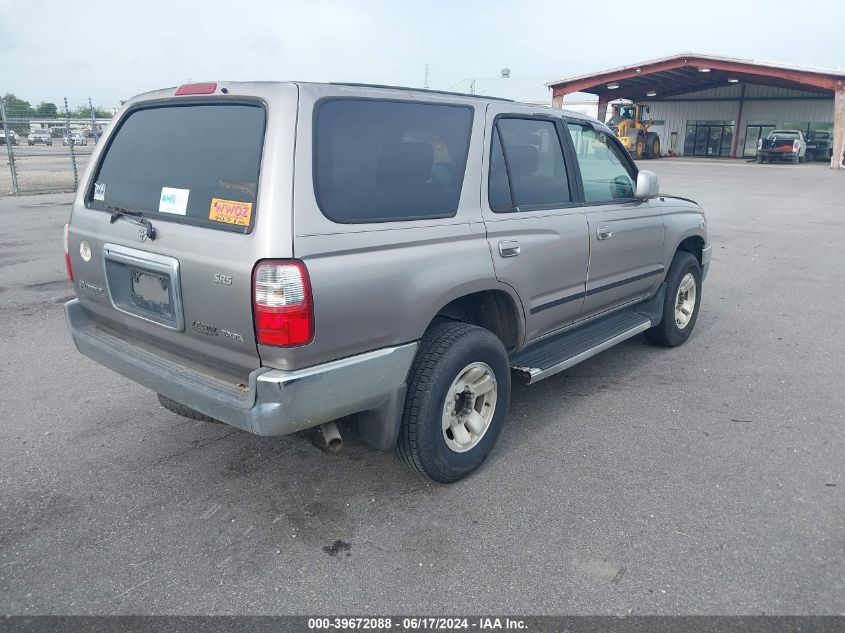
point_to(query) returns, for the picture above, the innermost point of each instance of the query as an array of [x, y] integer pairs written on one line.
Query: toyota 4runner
[[276, 256]]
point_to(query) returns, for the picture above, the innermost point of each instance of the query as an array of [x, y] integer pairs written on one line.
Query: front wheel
[[639, 149], [809, 157], [458, 394], [680, 306]]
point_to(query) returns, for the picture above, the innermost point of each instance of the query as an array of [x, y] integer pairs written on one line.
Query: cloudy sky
[[112, 50]]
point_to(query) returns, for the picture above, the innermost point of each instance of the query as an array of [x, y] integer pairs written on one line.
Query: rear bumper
[[274, 402], [772, 153]]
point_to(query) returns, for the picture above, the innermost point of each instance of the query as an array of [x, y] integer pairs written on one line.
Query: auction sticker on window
[[230, 211]]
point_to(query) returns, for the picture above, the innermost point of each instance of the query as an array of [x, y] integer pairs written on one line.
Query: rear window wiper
[[133, 216]]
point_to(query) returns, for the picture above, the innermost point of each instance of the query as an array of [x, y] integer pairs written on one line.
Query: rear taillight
[[67, 253], [796, 146], [759, 143], [281, 297]]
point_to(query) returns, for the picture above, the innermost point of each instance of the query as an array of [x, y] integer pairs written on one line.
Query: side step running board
[[555, 354]]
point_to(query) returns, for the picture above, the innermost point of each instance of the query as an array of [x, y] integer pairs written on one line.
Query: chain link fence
[[47, 151]]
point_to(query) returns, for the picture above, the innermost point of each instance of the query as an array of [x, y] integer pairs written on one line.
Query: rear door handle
[[509, 248], [603, 233]]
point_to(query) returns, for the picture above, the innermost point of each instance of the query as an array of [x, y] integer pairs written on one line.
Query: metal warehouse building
[[704, 105]]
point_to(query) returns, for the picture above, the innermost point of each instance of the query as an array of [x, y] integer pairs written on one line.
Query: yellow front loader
[[632, 129]]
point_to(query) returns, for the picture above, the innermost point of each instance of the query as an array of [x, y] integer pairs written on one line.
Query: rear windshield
[[381, 161], [194, 164], [784, 134]]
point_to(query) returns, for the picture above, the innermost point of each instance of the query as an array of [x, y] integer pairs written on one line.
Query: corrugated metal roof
[[833, 72]]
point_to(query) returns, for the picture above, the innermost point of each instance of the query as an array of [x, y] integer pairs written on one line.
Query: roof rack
[[428, 90]]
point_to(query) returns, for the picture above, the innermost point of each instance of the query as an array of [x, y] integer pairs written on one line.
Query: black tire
[[445, 350], [667, 333], [759, 159], [652, 145], [809, 157], [185, 412], [639, 147]]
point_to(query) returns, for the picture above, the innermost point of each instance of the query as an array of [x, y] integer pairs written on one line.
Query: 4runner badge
[[204, 328]]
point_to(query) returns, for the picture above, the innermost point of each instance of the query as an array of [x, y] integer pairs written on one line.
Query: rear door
[[165, 235], [626, 234], [536, 230]]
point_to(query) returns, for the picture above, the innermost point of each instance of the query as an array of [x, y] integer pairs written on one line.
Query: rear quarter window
[[189, 163], [382, 161]]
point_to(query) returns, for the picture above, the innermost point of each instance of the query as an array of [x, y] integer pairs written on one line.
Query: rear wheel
[[185, 412], [457, 399], [680, 306], [652, 145], [809, 157], [759, 159]]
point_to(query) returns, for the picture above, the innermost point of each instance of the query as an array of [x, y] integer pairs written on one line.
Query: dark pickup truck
[[819, 146], [782, 145]]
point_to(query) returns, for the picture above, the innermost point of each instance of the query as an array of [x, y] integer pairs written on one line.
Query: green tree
[[84, 112], [47, 110], [18, 109]]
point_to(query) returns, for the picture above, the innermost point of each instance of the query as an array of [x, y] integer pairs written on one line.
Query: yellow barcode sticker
[[230, 211]]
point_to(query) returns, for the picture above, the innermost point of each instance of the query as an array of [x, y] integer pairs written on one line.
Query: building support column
[[557, 99], [738, 126], [602, 114], [838, 126]]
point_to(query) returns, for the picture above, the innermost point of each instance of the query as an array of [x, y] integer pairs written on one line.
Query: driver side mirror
[[647, 185]]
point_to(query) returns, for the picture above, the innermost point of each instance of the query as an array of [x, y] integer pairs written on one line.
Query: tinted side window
[[378, 161], [534, 160], [604, 170]]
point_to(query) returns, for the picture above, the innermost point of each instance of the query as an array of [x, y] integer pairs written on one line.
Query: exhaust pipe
[[332, 437]]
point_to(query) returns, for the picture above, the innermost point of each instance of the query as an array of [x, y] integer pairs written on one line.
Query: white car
[[39, 135], [76, 138], [13, 136]]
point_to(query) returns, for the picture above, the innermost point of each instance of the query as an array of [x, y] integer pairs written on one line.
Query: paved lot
[[708, 478]]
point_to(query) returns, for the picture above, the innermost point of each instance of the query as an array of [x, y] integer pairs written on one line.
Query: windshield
[[194, 164]]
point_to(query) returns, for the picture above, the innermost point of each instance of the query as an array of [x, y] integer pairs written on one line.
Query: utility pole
[[426, 86]]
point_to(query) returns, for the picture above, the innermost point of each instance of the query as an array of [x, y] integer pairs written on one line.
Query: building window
[[808, 127], [754, 131], [709, 138]]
